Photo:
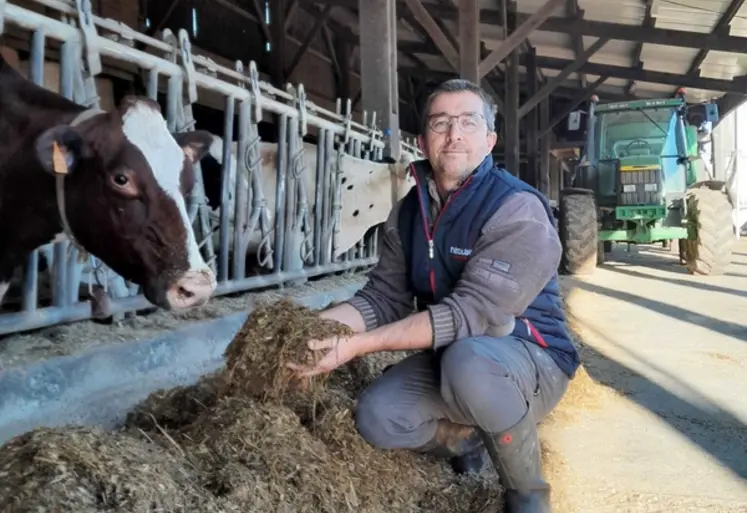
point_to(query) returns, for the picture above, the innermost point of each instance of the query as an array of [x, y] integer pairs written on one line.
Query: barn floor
[[668, 432]]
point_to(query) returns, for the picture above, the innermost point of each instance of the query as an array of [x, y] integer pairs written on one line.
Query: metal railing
[[290, 249]]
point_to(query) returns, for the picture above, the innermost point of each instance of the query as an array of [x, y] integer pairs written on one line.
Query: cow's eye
[[121, 180]]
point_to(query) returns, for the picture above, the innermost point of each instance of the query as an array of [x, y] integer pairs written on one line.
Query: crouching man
[[475, 251]]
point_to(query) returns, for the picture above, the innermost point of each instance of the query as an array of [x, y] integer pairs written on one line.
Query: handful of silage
[[271, 337]]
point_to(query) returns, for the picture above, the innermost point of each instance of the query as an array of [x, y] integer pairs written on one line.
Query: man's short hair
[[457, 85]]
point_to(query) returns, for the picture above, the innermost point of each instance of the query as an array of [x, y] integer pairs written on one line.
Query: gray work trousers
[[481, 381]]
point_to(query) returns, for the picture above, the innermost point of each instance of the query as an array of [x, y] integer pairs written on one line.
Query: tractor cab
[[638, 153]]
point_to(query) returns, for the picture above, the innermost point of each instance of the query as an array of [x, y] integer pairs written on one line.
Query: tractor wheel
[[709, 213], [578, 231]]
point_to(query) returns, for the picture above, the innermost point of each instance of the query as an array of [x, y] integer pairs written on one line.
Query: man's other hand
[[340, 351]]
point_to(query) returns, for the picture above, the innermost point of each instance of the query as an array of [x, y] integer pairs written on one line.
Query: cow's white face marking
[[3, 289], [146, 128], [60, 237]]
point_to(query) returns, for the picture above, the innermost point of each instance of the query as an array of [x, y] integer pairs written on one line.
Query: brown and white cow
[[122, 198]]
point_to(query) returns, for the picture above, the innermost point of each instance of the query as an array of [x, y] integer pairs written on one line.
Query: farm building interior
[[322, 101]]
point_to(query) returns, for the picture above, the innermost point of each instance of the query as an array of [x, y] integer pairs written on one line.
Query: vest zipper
[[429, 235], [432, 272]]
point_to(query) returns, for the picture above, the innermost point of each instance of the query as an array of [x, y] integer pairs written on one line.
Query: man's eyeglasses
[[468, 123]]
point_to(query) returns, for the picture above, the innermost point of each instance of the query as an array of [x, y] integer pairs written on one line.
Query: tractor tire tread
[[578, 233], [710, 212]]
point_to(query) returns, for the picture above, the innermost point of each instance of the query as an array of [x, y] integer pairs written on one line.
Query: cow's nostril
[[186, 293]]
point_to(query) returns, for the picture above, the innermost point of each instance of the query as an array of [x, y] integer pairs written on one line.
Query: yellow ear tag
[[58, 159]]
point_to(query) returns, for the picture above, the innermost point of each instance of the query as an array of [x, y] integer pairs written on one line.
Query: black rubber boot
[[461, 445], [473, 462], [516, 455]]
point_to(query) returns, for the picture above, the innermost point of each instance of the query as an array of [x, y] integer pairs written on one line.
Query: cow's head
[[124, 198]]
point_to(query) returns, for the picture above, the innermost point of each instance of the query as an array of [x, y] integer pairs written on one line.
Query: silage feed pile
[[250, 438]]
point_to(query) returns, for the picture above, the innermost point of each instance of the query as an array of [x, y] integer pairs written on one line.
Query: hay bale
[[88, 470], [272, 336]]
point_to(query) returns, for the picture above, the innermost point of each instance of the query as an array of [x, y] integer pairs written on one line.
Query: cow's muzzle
[[194, 288]]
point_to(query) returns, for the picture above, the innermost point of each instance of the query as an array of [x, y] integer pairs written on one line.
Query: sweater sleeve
[[516, 255], [386, 297]]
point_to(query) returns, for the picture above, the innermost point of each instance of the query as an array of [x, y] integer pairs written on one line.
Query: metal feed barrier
[[300, 249]]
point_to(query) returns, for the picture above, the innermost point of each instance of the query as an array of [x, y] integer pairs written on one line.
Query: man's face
[[457, 137]]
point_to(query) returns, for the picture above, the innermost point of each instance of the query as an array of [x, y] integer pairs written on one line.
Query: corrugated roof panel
[[616, 82], [614, 45], [489, 32], [721, 65], [530, 6], [738, 26], [702, 95], [667, 58], [607, 89], [628, 12], [557, 52], [692, 15], [612, 84], [615, 53], [741, 62], [660, 90], [542, 37]]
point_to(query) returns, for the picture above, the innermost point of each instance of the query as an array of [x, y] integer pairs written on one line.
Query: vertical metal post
[[293, 234], [30, 295], [241, 193], [61, 290], [319, 196], [153, 84], [280, 188], [329, 197], [172, 102], [225, 189]]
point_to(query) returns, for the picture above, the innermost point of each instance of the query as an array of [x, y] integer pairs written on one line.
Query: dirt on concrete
[[656, 421]]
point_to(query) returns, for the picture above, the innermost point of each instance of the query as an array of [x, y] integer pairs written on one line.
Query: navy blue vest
[[436, 262]]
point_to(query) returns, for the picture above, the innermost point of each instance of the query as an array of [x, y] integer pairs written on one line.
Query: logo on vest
[[460, 253]]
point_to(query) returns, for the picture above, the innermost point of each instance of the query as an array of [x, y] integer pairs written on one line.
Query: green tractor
[[637, 183]]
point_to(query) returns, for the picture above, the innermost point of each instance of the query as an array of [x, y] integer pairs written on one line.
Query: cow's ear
[[60, 149], [195, 144]]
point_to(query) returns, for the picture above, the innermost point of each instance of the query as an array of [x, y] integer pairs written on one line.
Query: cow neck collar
[[60, 188]]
